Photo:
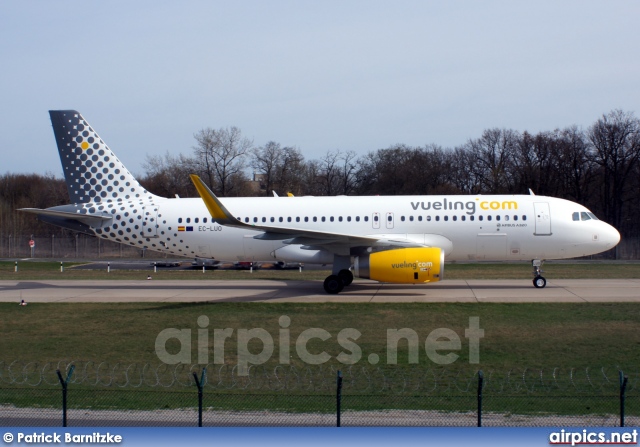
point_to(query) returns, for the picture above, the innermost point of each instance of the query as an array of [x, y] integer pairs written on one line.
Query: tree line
[[598, 167]]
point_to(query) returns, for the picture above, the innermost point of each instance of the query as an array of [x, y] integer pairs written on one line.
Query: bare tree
[[168, 175], [493, 152], [337, 173], [289, 172], [615, 142], [265, 161], [574, 166], [220, 155]]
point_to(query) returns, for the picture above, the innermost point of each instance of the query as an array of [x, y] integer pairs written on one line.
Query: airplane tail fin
[[92, 171]]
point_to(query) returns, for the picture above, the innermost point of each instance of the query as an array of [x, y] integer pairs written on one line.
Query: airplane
[[395, 239]]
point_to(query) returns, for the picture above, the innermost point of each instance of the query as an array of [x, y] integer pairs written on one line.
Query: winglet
[[217, 210]]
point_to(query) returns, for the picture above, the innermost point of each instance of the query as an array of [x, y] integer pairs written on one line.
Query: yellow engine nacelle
[[402, 265]]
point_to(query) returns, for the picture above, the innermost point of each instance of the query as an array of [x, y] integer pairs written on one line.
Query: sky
[[322, 76]]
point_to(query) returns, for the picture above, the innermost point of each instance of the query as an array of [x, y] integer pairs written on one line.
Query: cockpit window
[[584, 216]]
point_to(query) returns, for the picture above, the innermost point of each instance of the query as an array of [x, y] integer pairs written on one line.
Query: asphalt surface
[[460, 291]]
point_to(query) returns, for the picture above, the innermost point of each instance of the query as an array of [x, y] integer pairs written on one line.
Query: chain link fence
[[77, 246], [103, 394], [81, 245]]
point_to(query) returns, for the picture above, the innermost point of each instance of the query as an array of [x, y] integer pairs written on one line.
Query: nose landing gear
[[539, 281]]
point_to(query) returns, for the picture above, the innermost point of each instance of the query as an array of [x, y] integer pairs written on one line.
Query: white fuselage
[[496, 227]]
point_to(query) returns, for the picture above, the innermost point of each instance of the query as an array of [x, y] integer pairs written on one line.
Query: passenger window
[[497, 217], [348, 218], [280, 219], [446, 218], [480, 218], [331, 219], [576, 216], [324, 218], [357, 218], [419, 218], [455, 218], [196, 220], [188, 220], [288, 219], [428, 218], [340, 219], [204, 220], [472, 218], [255, 220], [306, 219], [366, 218], [179, 219], [463, 218], [411, 218], [264, 219], [515, 217], [273, 219], [524, 217], [297, 219], [315, 219], [437, 218], [375, 218], [402, 218], [506, 218], [246, 219]]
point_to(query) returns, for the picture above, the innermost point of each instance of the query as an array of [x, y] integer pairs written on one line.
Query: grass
[[533, 335], [517, 336], [524, 335], [168, 399]]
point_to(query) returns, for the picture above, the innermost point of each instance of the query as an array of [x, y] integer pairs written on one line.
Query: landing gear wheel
[[333, 284], [346, 277], [539, 282]]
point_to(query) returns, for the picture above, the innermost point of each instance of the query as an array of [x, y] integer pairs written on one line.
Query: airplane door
[[389, 220], [543, 219], [150, 221], [375, 220]]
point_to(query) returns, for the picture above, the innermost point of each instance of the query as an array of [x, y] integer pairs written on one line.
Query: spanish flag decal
[[180, 228]]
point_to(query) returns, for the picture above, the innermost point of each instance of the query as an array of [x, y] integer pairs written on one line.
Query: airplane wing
[[294, 236]]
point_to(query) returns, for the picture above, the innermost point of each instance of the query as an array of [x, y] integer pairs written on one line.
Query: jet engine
[[402, 265]]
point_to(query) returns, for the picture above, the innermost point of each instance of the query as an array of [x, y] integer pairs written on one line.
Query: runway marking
[[576, 295], [472, 291]]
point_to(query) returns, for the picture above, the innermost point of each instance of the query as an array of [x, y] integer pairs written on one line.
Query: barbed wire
[[356, 379]]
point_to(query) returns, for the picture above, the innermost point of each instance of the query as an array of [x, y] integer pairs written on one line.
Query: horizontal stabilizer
[[92, 220]]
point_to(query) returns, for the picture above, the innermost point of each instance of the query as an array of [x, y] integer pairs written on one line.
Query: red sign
[[32, 243]]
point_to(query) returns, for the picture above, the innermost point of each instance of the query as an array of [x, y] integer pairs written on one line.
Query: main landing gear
[[539, 281], [335, 283]]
